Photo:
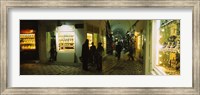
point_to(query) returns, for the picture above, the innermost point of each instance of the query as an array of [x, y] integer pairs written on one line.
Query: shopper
[[85, 55]]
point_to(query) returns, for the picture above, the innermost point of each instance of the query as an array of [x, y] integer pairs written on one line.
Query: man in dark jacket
[[85, 55], [92, 52], [130, 55], [99, 56], [118, 50]]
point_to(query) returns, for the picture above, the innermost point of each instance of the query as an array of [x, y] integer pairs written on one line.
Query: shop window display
[[66, 41], [169, 53], [27, 39], [89, 37]]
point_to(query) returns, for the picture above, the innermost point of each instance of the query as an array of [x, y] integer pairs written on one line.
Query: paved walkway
[[111, 66]]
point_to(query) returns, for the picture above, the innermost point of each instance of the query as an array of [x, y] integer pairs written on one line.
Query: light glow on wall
[[158, 36], [104, 43], [139, 42]]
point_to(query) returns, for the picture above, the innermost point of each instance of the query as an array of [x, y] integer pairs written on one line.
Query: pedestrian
[[99, 57], [85, 55], [53, 52], [92, 52], [118, 50], [130, 55]]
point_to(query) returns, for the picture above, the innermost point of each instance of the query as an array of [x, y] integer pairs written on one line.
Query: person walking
[[118, 50], [53, 52], [130, 55], [99, 57], [85, 55]]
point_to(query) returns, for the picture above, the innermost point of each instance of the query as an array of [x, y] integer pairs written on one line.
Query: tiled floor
[[111, 66]]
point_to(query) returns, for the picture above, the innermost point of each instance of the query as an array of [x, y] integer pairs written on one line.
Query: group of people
[[119, 48], [92, 55]]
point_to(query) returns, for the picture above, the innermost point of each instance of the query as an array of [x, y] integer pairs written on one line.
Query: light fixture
[[162, 29], [64, 28]]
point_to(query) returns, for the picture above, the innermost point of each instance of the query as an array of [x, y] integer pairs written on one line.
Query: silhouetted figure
[[92, 52], [118, 50], [130, 55], [53, 52], [85, 55], [98, 56]]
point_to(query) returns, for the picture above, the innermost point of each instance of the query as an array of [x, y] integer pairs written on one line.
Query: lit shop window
[[65, 41], [89, 37], [169, 52], [27, 39], [65, 38], [104, 42]]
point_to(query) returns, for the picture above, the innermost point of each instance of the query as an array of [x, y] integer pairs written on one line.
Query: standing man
[[99, 56], [118, 50], [85, 55], [92, 51], [53, 52]]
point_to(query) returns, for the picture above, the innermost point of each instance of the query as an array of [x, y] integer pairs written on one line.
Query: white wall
[[155, 44], [80, 37], [148, 48]]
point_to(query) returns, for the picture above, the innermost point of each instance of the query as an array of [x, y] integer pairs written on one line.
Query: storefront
[[38, 37], [169, 53], [27, 40], [166, 47], [65, 43], [28, 49], [96, 32], [90, 38]]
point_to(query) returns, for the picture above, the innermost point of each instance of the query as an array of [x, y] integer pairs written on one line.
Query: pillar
[[42, 41]]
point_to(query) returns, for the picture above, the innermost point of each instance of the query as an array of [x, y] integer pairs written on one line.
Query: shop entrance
[[65, 44]]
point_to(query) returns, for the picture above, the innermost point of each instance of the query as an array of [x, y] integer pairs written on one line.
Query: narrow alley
[[94, 47]]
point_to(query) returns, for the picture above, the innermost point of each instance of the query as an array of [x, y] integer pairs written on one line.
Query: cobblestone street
[[111, 66]]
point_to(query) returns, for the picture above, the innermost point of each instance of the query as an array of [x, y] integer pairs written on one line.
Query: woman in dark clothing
[[85, 55]]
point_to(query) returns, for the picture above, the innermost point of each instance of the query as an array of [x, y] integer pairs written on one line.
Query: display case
[[27, 40], [169, 53], [65, 41]]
